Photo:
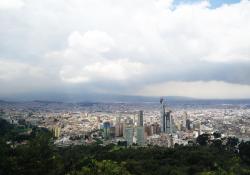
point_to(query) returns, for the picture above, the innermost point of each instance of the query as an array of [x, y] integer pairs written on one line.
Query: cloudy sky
[[187, 48]]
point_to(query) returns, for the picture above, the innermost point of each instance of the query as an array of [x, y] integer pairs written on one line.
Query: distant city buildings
[[130, 124]]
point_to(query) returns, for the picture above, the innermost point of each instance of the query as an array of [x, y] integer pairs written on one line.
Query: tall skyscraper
[[119, 130], [118, 119], [106, 128], [166, 119], [129, 134], [56, 131], [140, 119], [140, 135], [112, 131], [188, 124], [148, 130]]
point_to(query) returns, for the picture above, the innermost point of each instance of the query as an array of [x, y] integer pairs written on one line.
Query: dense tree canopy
[[37, 155]]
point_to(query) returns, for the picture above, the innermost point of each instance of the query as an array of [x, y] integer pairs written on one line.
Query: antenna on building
[[161, 100]]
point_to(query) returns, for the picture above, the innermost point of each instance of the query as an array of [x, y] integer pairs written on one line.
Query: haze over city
[[71, 48]]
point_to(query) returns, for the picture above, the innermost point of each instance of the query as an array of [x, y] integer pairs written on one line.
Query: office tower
[[112, 132], [130, 121], [118, 119], [140, 135], [129, 134], [148, 130], [56, 131], [119, 130], [188, 124], [118, 127], [98, 118], [185, 119], [140, 119], [106, 129], [168, 123], [166, 119], [197, 126], [162, 121], [156, 129]]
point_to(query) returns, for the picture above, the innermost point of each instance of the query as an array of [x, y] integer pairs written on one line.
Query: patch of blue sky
[[214, 3]]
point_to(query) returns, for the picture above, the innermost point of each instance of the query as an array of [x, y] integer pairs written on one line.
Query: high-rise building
[[184, 125], [166, 119], [140, 135], [118, 119], [188, 124], [112, 131], [119, 130], [118, 127], [140, 119], [148, 130], [156, 129], [56, 131], [106, 129], [98, 118], [129, 134]]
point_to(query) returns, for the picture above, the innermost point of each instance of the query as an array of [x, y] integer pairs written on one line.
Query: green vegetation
[[37, 155]]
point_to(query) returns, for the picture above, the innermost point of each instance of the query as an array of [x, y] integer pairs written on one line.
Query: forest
[[35, 154]]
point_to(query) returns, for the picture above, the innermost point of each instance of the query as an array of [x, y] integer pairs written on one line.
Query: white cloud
[[84, 60], [94, 41], [118, 70], [10, 4], [123, 42], [13, 70], [198, 89]]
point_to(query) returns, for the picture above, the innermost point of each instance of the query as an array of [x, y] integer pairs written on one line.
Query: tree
[[217, 135], [217, 143], [244, 151], [105, 167], [231, 144], [203, 139]]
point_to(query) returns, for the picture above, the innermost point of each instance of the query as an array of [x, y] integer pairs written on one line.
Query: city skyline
[[74, 48]]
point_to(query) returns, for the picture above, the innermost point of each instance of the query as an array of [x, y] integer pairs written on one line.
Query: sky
[[189, 48]]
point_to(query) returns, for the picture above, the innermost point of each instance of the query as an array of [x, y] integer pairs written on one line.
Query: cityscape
[[125, 87], [132, 124]]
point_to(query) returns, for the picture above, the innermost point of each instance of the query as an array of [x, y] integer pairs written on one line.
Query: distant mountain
[[85, 97], [47, 98], [47, 102]]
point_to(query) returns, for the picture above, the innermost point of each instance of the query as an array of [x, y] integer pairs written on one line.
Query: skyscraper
[[188, 124], [140, 135], [129, 134], [140, 129], [106, 128], [119, 130], [140, 119], [166, 119], [56, 131]]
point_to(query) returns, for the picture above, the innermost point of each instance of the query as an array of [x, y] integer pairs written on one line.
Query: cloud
[[124, 46], [11, 4], [12, 70], [94, 41], [109, 70], [198, 89], [86, 59]]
